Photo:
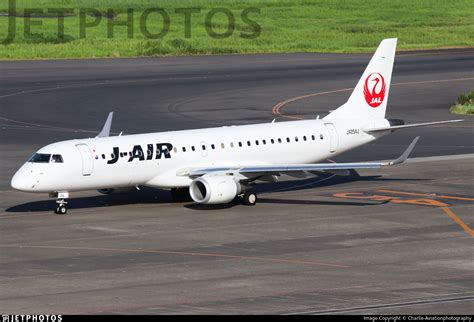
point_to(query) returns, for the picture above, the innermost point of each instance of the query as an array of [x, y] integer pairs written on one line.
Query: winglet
[[405, 154], [106, 129]]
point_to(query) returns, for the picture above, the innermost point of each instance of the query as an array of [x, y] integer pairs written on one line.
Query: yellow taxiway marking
[[461, 223], [419, 201], [423, 202], [427, 195]]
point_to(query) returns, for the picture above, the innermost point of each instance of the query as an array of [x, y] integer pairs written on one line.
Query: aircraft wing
[[288, 168]]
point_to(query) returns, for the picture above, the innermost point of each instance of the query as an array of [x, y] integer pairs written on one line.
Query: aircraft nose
[[20, 181]]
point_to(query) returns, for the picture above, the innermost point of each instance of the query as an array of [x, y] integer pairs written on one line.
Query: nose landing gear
[[61, 208]]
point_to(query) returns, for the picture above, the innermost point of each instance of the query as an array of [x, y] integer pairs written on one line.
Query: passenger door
[[87, 159], [334, 140]]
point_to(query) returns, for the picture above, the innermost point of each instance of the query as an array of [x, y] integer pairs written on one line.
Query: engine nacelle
[[214, 189], [108, 191]]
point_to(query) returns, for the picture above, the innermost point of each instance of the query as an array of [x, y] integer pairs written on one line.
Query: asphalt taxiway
[[396, 240]]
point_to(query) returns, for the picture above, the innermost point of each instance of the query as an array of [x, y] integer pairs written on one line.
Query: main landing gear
[[61, 203], [249, 198]]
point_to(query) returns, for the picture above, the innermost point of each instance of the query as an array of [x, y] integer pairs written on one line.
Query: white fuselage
[[92, 164]]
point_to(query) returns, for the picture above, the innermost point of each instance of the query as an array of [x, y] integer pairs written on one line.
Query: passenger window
[[57, 158]]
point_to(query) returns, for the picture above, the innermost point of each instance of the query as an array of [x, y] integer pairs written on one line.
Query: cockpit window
[[57, 158], [40, 158]]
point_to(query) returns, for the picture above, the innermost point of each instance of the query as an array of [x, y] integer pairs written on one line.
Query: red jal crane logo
[[375, 95]]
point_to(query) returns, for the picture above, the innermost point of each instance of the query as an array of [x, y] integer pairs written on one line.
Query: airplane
[[220, 165]]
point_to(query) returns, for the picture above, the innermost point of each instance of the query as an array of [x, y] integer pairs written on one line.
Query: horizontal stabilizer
[[405, 126]]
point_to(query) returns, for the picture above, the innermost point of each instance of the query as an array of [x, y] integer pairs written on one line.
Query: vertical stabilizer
[[370, 96]]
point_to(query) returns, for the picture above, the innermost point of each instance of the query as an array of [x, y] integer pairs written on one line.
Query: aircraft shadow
[[320, 202], [144, 196], [148, 195], [324, 180], [287, 202]]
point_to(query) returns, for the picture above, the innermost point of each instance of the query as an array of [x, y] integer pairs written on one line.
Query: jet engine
[[214, 189]]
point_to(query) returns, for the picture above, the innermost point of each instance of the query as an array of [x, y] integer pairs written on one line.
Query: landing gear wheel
[[61, 203], [61, 210], [249, 199]]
